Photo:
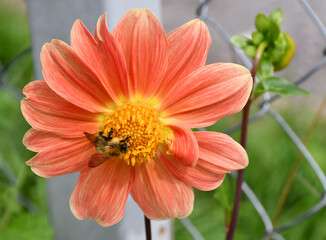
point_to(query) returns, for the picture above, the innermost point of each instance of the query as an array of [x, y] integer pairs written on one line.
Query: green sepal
[[268, 27], [250, 50], [262, 22], [279, 86], [265, 68], [279, 48], [273, 32], [257, 38], [240, 41], [277, 16]]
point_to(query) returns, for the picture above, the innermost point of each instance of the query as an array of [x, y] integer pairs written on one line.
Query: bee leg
[[125, 140], [110, 134], [106, 138]]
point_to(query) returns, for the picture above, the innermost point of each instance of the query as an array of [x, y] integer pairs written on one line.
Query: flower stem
[[148, 228], [243, 142]]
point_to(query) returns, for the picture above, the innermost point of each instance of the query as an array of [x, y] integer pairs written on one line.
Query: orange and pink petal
[[184, 146], [38, 141], [85, 46], [208, 94], [219, 153], [143, 40], [72, 78], [200, 178], [44, 110], [113, 61], [123, 31], [101, 193], [59, 155], [159, 194], [187, 51]]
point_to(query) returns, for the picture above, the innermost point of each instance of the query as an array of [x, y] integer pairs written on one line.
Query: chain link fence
[[265, 109]]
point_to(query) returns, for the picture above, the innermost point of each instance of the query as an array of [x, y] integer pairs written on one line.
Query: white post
[[51, 19]]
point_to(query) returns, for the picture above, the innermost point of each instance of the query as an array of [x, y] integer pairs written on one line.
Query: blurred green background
[[23, 203]]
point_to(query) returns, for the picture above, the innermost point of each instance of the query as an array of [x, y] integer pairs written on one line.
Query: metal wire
[[191, 229], [314, 17], [4, 84], [296, 140]]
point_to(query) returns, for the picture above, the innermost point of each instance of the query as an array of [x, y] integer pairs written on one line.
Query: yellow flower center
[[138, 128]]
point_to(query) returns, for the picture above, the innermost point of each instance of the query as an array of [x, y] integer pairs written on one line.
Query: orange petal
[[38, 141], [187, 51], [113, 61], [160, 195], [46, 111], [58, 155], [71, 78], [144, 42], [200, 178], [85, 46], [184, 146], [101, 192], [219, 153], [208, 94], [123, 31]]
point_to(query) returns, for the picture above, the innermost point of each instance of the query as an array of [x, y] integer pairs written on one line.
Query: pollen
[[141, 125]]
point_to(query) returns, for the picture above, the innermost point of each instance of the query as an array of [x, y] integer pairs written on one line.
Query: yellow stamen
[[139, 122]]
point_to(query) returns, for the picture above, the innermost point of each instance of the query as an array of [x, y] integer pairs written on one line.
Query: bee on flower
[[119, 108]]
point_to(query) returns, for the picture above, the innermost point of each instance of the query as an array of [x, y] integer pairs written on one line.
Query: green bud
[[289, 51]]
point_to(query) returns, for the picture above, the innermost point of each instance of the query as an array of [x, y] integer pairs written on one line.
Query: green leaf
[[265, 69], [280, 86], [250, 50], [26, 226], [257, 38], [225, 193], [240, 41], [262, 22], [277, 16], [207, 217]]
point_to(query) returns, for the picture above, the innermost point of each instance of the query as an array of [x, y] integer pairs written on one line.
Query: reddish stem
[[238, 191], [243, 142], [148, 228]]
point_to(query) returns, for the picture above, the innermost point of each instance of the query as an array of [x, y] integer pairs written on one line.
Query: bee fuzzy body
[[107, 147]]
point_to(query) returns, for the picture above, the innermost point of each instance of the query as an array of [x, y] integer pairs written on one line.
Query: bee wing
[[90, 137], [96, 160]]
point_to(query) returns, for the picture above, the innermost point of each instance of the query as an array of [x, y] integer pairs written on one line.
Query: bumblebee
[[106, 146]]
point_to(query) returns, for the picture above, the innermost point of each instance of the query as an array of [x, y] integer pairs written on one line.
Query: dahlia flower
[[119, 108]]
